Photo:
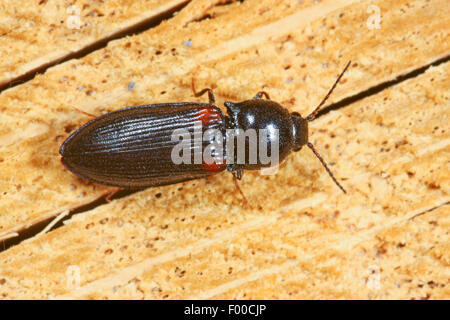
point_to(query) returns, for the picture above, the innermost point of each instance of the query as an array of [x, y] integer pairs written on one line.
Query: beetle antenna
[[313, 114], [310, 145]]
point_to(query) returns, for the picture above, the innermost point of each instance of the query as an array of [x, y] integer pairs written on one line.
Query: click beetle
[[134, 147]]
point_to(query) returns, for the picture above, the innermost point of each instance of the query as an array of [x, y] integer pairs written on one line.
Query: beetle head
[[299, 131]]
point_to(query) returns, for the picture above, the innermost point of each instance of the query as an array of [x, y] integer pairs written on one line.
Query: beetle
[[134, 147]]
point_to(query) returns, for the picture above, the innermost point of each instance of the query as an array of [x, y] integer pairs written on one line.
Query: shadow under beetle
[[132, 147]]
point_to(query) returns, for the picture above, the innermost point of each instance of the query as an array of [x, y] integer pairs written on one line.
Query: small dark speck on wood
[[131, 85]]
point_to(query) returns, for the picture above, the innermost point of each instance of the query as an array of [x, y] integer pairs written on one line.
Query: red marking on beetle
[[208, 115], [216, 166]]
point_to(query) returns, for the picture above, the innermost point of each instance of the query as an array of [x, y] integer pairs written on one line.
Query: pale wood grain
[[303, 238], [34, 34]]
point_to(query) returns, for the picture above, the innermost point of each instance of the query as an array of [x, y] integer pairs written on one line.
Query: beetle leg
[[212, 100], [237, 175], [85, 113], [112, 193], [260, 94]]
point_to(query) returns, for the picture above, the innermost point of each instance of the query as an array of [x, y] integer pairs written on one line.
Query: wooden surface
[[35, 34], [387, 238]]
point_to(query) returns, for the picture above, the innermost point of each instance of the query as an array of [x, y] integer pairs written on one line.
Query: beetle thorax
[[272, 127]]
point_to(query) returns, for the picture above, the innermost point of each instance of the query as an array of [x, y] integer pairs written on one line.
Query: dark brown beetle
[[134, 147]]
